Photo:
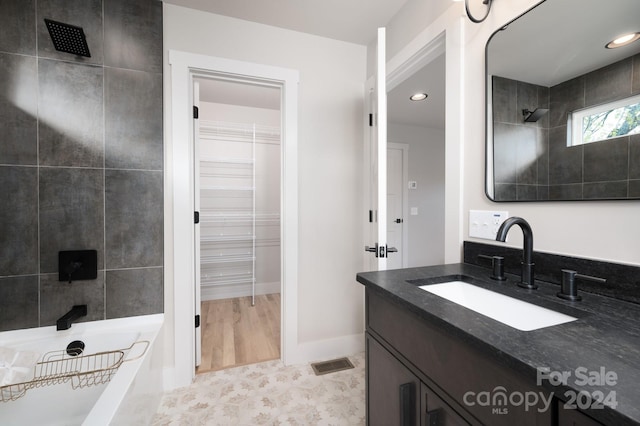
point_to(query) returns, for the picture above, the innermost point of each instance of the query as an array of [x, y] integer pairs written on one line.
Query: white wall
[[330, 135], [426, 167], [606, 230]]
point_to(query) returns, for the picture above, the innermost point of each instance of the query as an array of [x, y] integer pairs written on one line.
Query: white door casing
[[196, 236], [376, 151], [179, 190]]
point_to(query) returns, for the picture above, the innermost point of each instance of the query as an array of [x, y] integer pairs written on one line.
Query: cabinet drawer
[[472, 378]]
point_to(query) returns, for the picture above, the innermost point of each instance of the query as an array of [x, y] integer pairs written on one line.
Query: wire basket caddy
[[81, 370]]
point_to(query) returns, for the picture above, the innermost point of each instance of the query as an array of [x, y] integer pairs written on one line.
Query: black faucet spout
[[527, 276], [64, 322]]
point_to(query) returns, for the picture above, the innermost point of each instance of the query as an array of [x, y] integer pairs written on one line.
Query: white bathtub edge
[[110, 409]]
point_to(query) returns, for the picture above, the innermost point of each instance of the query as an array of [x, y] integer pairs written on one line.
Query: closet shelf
[[226, 238], [228, 188], [227, 258], [226, 160], [208, 283]]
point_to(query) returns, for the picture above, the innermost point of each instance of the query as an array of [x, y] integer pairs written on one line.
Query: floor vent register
[[326, 367]]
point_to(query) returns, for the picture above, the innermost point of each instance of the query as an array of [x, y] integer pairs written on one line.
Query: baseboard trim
[[322, 350]]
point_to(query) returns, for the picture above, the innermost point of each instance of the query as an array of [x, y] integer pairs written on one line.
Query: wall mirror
[[563, 109]]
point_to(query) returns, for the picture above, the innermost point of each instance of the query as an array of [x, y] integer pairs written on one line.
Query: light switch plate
[[485, 223]]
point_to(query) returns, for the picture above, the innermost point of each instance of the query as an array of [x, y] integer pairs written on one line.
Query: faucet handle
[[569, 288], [497, 264]]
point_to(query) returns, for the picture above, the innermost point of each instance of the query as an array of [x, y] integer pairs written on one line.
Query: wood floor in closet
[[235, 333]]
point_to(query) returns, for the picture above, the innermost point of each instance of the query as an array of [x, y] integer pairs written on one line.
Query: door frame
[[445, 35], [405, 198], [179, 202]]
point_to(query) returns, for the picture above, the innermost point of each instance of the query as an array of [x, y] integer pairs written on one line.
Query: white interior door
[[196, 208], [396, 204], [377, 244]]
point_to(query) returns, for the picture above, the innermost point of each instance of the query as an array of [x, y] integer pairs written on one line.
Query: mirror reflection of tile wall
[[532, 161]]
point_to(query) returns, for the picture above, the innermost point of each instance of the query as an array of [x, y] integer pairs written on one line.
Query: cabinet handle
[[433, 417], [407, 404]]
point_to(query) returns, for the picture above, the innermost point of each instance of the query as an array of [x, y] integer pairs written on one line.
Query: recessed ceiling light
[[418, 97], [623, 40]]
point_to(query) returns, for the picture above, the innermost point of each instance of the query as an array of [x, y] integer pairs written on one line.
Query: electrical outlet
[[485, 223]]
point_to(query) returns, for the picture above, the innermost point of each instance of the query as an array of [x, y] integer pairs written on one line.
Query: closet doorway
[[237, 174]]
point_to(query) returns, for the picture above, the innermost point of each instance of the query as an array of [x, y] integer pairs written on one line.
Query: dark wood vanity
[[432, 362]]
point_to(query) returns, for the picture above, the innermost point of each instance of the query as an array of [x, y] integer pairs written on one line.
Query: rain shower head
[[535, 115], [68, 38]]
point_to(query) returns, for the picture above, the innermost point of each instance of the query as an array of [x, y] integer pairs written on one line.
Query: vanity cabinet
[[404, 348], [396, 396], [574, 418]]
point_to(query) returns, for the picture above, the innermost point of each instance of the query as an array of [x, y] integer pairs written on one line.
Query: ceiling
[[353, 21], [568, 50]]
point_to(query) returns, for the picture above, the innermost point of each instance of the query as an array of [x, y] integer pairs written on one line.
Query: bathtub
[[130, 397]]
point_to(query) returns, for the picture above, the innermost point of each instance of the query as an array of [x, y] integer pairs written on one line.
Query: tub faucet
[[527, 279], [64, 322]]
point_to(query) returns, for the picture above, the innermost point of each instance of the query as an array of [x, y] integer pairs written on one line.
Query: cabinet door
[[568, 417], [436, 412], [391, 389]]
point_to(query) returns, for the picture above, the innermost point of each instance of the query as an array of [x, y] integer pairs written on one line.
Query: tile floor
[[269, 393]]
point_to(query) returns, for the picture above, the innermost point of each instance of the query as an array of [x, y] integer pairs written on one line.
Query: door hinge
[[196, 112], [197, 321], [370, 120], [370, 216], [196, 217]]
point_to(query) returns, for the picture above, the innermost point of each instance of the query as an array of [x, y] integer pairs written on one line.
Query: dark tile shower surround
[[623, 281], [81, 159]]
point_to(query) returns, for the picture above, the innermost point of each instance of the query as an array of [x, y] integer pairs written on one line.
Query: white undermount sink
[[512, 312]]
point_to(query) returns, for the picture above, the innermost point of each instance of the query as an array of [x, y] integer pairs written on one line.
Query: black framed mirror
[[563, 109]]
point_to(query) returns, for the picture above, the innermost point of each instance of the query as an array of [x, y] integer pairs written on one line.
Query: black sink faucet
[[64, 322], [527, 279]]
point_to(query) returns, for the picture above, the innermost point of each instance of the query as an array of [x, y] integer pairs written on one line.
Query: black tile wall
[[634, 157], [71, 213], [17, 20], [19, 221], [81, 157], [81, 13], [571, 191], [600, 170], [18, 302], [18, 109], [604, 190], [564, 98], [607, 161], [132, 34], [608, 83], [521, 151], [504, 100], [58, 297], [635, 84], [134, 292], [133, 119], [134, 229], [70, 114]]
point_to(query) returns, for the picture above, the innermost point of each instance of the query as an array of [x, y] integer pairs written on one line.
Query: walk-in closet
[[238, 179]]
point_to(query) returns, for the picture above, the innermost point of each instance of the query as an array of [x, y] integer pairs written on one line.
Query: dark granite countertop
[[604, 339]]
